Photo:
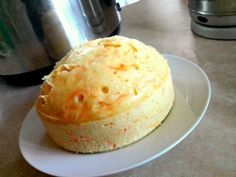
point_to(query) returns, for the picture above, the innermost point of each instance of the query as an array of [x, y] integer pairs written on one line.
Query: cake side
[[117, 131]]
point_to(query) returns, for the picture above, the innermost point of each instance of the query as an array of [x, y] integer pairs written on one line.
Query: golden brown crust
[[101, 79]]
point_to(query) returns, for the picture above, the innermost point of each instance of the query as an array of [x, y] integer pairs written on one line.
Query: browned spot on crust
[[136, 66], [135, 92], [108, 124], [110, 44], [120, 67], [134, 49], [104, 104], [46, 89]]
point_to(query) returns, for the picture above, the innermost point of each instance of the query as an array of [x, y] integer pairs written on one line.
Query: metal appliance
[[214, 19], [34, 34]]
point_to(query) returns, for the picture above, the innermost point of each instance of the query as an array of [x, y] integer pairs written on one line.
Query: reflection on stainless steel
[[92, 10], [36, 33], [213, 12]]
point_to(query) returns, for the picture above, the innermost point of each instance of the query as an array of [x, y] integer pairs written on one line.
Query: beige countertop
[[210, 150]]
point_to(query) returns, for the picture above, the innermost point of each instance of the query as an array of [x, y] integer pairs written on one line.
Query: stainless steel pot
[[34, 34], [213, 12]]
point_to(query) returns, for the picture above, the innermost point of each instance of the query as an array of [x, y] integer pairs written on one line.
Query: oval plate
[[192, 96]]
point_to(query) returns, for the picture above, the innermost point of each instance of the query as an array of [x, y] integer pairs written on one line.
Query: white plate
[[192, 96]]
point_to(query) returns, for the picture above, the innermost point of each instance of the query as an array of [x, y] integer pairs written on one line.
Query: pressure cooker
[[34, 34]]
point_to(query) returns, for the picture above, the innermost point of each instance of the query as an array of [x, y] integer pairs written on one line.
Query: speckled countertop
[[210, 150]]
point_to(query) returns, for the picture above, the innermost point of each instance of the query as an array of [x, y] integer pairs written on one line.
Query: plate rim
[[209, 92]]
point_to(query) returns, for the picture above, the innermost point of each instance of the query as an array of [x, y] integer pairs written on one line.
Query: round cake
[[105, 94]]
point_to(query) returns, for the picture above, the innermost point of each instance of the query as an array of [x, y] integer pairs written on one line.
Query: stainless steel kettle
[[34, 34]]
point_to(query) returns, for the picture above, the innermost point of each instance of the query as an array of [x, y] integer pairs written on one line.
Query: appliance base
[[228, 33], [28, 78]]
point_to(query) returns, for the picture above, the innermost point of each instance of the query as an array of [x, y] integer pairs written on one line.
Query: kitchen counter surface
[[210, 150]]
